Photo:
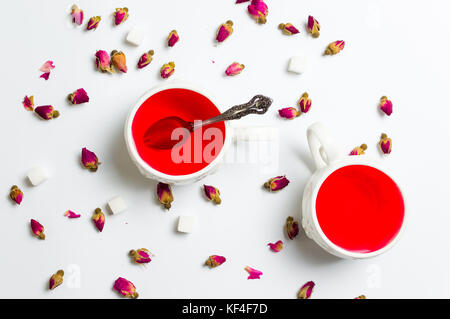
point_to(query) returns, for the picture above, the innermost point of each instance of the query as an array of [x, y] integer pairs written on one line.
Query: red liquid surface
[[186, 104], [360, 208]]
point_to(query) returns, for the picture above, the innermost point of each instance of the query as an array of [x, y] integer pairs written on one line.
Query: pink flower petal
[[253, 273], [45, 76], [47, 66], [125, 288], [71, 214], [276, 247]]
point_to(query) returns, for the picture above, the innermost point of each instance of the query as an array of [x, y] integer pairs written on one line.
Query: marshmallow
[[117, 205], [37, 175], [135, 36], [185, 224], [297, 64]]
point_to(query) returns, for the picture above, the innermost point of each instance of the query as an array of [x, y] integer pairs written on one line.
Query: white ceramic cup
[[328, 159]]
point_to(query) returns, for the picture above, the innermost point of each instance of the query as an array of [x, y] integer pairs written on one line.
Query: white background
[[394, 48]]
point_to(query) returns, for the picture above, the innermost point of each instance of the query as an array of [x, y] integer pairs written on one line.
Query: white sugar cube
[[135, 36], [297, 64], [37, 175], [185, 224], [117, 205]]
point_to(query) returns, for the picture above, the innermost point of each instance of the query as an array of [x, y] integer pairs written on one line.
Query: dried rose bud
[[215, 260], [28, 103], [385, 144], [167, 70], [360, 297], [386, 105], [289, 113], [93, 23], [16, 194], [78, 97], [288, 28], [121, 15], [46, 112], [335, 47], [141, 256], [276, 247], [304, 103], [37, 229], [276, 183], [224, 31], [125, 288], [258, 10], [291, 227], [56, 279], [253, 273], [89, 160], [234, 69], [77, 15], [313, 27], [164, 193], [359, 150], [103, 62], [119, 60], [212, 194], [172, 38], [145, 59], [71, 214], [306, 290], [99, 219]]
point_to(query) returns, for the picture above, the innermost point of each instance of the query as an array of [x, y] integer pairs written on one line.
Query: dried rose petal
[[253, 273], [45, 76], [141, 256], [335, 47], [28, 103], [121, 15], [276, 183], [212, 194], [289, 113], [46, 112], [306, 290], [56, 279], [78, 97], [276, 247], [386, 105], [258, 10], [167, 70], [304, 103], [145, 59], [360, 297], [164, 193], [93, 23], [102, 61], [125, 288], [47, 66], [359, 150], [215, 260], [385, 144], [313, 27], [119, 60], [241, 1], [37, 229], [89, 160], [288, 28], [71, 214], [99, 219], [16, 194], [77, 15], [224, 31], [172, 38], [291, 227], [234, 69]]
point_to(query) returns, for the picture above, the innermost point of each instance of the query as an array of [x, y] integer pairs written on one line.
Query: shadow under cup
[[360, 208]]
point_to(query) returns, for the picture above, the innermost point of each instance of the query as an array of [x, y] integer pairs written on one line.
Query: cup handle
[[321, 144]]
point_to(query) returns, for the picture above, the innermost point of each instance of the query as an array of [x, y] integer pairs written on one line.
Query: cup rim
[[131, 145]]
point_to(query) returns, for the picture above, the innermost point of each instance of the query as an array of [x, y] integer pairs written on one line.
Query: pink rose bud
[[141, 256], [164, 193], [212, 194], [234, 69], [93, 23], [288, 28], [276, 247], [359, 150], [306, 290], [102, 61], [224, 31], [77, 15], [56, 279], [99, 219], [78, 97], [335, 47], [304, 103], [119, 60], [386, 105], [172, 38], [167, 70], [16, 194], [71, 214], [289, 113], [37, 229], [121, 15], [28, 103], [385, 144], [253, 273], [125, 288], [361, 297], [145, 59], [313, 27], [46, 112], [292, 228], [258, 10], [215, 260], [89, 160], [276, 183]]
